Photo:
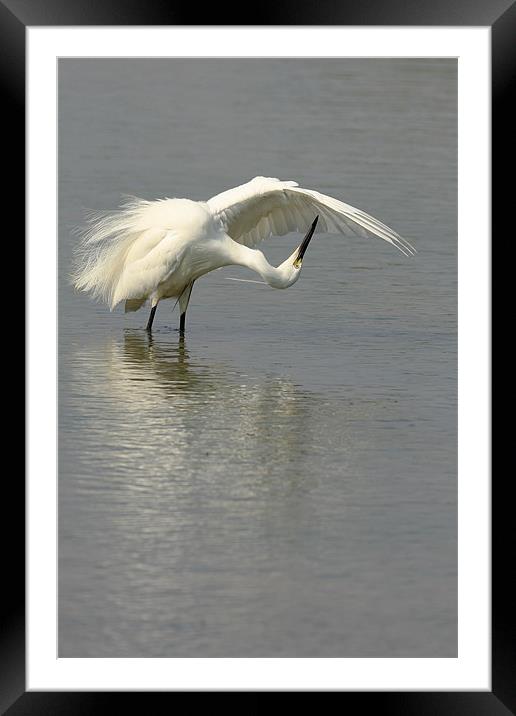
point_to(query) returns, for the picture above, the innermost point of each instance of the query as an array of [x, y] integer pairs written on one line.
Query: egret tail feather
[[133, 304]]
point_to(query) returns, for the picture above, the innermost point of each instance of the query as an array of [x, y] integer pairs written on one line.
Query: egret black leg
[[151, 317], [184, 300]]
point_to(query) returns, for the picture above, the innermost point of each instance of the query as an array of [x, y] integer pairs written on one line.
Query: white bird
[[157, 249]]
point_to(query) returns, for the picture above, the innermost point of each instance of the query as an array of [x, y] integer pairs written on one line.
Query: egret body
[[157, 249]]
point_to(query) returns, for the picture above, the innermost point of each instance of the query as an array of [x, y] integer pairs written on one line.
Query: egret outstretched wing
[[265, 206]]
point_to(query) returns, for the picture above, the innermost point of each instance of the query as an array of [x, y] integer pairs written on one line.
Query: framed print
[[293, 493]]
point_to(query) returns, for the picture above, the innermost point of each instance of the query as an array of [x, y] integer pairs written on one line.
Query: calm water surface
[[283, 481]]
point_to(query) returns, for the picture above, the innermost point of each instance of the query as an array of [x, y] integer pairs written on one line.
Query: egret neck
[[282, 276]]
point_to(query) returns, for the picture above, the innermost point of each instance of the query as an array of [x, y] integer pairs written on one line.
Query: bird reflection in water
[[195, 494], [195, 488], [189, 416]]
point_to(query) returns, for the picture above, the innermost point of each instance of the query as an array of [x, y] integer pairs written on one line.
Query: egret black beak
[[304, 244]]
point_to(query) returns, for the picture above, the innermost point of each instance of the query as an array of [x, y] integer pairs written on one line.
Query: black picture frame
[[15, 16]]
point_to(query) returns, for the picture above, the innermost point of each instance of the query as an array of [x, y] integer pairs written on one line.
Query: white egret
[[158, 249]]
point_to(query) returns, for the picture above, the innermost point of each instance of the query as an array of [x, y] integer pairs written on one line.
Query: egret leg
[[184, 300], [151, 318]]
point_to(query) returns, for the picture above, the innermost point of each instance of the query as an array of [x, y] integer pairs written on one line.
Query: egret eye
[[297, 263]]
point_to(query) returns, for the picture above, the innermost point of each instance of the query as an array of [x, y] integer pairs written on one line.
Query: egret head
[[291, 268], [298, 261]]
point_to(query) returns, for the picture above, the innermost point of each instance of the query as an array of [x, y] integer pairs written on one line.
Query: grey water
[[283, 482]]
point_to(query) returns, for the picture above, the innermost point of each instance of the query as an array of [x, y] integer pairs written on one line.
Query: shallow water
[[283, 481]]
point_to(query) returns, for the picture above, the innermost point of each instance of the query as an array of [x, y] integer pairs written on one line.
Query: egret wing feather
[[266, 206], [140, 277]]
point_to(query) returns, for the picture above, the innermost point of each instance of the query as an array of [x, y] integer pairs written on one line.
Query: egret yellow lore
[[154, 250]]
